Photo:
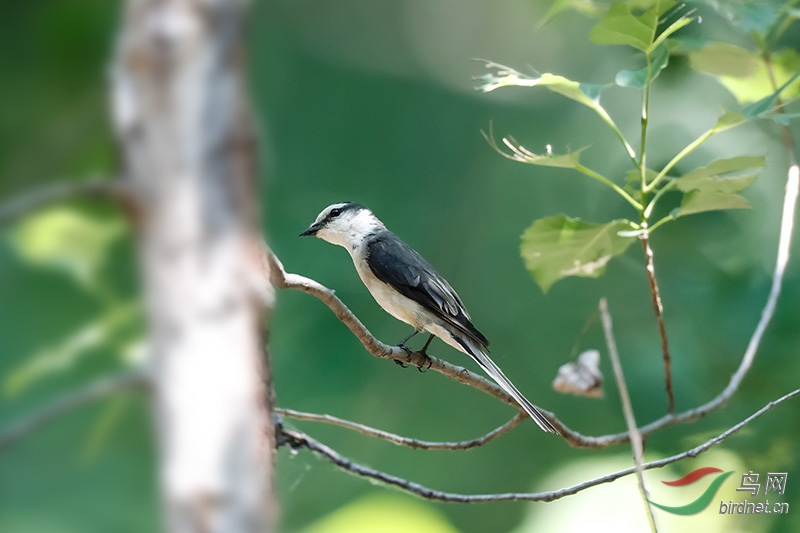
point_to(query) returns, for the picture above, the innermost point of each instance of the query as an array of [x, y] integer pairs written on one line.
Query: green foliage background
[[373, 102]]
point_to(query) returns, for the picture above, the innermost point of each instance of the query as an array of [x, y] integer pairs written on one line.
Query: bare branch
[[282, 279], [627, 408], [297, 440], [404, 441], [90, 393], [658, 309], [285, 280], [96, 189]]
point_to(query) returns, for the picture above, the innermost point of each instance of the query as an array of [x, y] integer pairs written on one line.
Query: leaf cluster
[[761, 79]]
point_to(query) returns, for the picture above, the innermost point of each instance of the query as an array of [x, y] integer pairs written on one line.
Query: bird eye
[[335, 212]]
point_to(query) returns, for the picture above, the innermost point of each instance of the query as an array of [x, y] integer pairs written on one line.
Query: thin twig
[[627, 409], [92, 392], [658, 308], [103, 189], [400, 440], [297, 440]]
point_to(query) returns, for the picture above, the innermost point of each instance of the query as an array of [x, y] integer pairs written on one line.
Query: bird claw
[[422, 368], [408, 353]]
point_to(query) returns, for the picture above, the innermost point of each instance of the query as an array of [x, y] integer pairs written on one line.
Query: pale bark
[[185, 132]]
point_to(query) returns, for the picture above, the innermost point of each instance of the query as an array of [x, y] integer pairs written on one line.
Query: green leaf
[[638, 78], [620, 26], [729, 119], [724, 59], [767, 104], [712, 188], [586, 7], [556, 247], [745, 74], [502, 76], [784, 119], [701, 201], [68, 239], [709, 176], [586, 94], [672, 28], [720, 184]]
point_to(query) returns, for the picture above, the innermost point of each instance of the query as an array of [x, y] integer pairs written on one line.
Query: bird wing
[[397, 264]]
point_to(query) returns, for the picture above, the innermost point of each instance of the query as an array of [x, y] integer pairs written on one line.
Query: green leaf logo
[[704, 499]]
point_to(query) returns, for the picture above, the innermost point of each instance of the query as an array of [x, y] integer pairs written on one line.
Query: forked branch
[[299, 440]]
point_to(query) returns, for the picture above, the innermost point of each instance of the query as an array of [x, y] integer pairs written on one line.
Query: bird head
[[345, 224]]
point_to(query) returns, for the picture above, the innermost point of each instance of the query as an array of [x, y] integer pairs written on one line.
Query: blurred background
[[374, 102]]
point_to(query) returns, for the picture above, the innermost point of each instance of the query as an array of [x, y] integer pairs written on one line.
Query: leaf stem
[[675, 160], [605, 181], [645, 120], [611, 124], [649, 209]]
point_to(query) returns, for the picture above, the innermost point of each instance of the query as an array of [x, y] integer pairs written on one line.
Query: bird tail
[[494, 372]]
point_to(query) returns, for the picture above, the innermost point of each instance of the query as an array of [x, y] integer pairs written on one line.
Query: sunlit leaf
[[729, 119], [503, 76], [638, 78], [670, 30], [556, 247], [66, 238], [620, 26], [767, 104], [709, 176], [701, 201], [724, 59], [383, 513], [586, 7], [712, 188], [744, 72]]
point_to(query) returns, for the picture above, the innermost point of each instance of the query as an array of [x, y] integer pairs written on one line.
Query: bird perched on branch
[[407, 287]]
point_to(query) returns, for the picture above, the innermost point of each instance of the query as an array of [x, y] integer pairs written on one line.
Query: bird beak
[[311, 231]]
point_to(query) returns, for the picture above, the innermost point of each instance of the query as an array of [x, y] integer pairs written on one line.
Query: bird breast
[[401, 307]]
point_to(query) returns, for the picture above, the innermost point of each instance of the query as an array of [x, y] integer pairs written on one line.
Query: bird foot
[[422, 368], [408, 352]]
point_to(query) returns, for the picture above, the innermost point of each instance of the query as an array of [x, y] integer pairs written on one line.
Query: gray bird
[[407, 287]]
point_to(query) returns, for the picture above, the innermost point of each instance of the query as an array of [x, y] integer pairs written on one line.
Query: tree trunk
[[186, 135]]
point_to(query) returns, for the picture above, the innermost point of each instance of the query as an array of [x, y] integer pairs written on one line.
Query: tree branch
[[90, 393], [404, 441], [284, 280], [297, 440], [627, 409], [658, 309], [95, 189]]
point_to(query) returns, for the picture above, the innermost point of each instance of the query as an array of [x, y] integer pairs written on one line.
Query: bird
[[406, 286]]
